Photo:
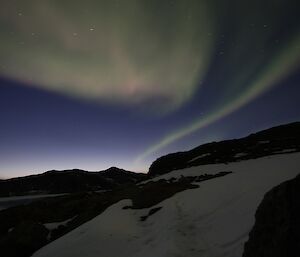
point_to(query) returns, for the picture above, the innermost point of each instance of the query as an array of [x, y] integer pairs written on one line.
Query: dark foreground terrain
[[23, 229]]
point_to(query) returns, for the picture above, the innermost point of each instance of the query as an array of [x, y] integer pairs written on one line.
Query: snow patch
[[199, 157], [10, 229], [264, 142], [55, 225], [239, 155], [286, 151]]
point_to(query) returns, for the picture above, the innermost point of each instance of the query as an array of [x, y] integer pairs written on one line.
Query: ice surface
[[11, 201]]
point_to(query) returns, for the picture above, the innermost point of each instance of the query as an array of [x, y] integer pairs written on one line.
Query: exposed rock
[[24, 239], [276, 232]]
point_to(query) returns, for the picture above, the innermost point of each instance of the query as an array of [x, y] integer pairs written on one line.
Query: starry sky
[[99, 83]]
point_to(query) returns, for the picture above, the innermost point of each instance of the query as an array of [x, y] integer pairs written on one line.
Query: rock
[[24, 239], [276, 140], [276, 232]]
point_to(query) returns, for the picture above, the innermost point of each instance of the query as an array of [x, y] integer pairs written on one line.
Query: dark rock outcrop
[[276, 140], [24, 239], [68, 181], [276, 232]]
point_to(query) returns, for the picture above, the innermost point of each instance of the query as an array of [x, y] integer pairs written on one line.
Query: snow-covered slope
[[211, 221]]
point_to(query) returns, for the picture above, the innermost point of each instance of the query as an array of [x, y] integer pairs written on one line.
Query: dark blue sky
[[56, 112]]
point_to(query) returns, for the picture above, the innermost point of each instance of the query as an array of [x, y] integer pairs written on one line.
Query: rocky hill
[[68, 181], [276, 140]]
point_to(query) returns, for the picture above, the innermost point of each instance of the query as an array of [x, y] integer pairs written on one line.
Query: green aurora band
[[285, 62], [118, 52]]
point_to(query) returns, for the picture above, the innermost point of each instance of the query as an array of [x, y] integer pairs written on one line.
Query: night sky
[[93, 84]]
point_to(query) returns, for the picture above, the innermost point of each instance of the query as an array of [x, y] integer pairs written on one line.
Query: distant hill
[[276, 140], [68, 181]]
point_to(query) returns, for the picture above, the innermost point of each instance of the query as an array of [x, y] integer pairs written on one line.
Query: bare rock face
[[276, 232]]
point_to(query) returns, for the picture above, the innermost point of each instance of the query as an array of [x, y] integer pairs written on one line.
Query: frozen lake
[[7, 202]]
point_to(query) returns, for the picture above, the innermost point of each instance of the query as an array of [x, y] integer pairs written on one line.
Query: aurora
[[106, 83], [282, 65], [113, 51]]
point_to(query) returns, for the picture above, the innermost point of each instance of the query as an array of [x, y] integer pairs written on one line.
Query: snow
[[211, 221], [55, 225], [199, 157], [286, 151], [238, 155], [264, 142]]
